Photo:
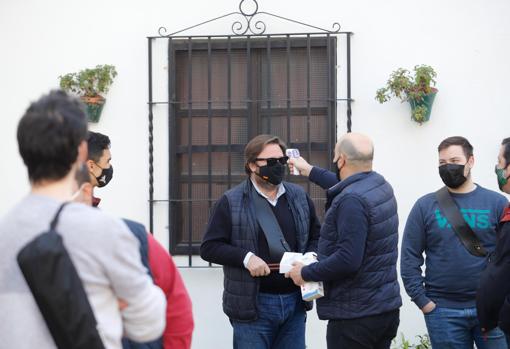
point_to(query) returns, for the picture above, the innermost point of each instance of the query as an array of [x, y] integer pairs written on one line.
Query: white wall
[[465, 40]]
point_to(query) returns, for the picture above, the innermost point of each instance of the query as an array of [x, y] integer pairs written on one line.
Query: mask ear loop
[[470, 168], [92, 172], [337, 170], [504, 169], [98, 165]]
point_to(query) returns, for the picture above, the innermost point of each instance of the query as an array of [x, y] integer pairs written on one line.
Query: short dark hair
[[97, 143], [49, 134], [457, 140], [256, 146], [506, 152]]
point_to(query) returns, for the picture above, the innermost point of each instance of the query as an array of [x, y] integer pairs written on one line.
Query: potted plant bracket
[[418, 90]]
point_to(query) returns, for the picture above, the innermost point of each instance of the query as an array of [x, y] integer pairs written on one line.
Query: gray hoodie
[[107, 258]]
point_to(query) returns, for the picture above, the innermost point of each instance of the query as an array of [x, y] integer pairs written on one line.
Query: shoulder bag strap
[[55, 219], [464, 232], [269, 225]]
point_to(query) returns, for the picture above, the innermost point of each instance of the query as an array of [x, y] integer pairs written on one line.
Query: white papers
[[310, 290], [288, 259]]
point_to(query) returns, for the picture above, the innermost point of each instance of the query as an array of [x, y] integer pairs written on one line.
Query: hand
[[295, 274], [429, 307], [301, 164], [257, 267], [122, 304]]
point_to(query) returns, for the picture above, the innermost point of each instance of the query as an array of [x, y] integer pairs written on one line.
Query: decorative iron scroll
[[250, 24]]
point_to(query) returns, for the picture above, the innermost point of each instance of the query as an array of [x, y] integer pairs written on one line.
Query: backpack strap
[[55, 219]]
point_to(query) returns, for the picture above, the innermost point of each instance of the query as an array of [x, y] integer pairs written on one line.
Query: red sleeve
[[506, 215], [179, 315]]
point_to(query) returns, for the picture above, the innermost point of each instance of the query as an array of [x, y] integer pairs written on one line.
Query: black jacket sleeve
[[504, 315], [315, 228], [322, 177], [216, 246], [493, 295], [352, 229]]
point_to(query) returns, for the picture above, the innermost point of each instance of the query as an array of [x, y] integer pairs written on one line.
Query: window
[[225, 91]]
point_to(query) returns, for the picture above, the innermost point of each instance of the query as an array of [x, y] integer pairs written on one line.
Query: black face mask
[[272, 174], [105, 177], [452, 175], [337, 171]]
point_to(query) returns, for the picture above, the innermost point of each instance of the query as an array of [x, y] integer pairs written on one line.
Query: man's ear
[[252, 167], [341, 160], [471, 161], [83, 152], [90, 165]]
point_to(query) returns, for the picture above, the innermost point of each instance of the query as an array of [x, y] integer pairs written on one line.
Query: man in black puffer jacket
[[493, 297], [357, 250]]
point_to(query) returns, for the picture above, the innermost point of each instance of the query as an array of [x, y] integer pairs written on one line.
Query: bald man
[[357, 249]]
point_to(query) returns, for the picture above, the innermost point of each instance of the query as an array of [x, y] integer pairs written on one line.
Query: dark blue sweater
[[452, 274]]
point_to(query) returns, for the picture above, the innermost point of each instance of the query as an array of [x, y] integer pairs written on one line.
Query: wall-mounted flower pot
[[421, 109], [94, 107]]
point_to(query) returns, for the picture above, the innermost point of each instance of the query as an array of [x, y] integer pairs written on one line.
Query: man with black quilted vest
[[265, 309]]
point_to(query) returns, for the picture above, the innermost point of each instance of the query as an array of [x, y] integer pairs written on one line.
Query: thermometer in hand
[[293, 153]]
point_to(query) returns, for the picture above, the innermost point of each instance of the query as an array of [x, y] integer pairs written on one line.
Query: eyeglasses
[[272, 161]]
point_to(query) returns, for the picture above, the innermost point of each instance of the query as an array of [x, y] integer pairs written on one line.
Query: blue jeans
[[459, 328], [280, 325]]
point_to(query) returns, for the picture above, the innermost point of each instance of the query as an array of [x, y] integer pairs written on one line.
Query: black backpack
[[58, 291]]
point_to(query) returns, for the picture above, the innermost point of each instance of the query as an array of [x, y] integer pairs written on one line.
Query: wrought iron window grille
[[260, 108]]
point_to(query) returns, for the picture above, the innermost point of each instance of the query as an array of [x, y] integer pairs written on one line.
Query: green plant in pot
[[418, 90], [424, 343], [90, 85]]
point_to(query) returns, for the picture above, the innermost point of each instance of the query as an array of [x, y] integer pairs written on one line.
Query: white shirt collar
[[281, 191]]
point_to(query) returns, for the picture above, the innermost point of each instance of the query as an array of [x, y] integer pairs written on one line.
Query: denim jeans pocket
[[432, 312]]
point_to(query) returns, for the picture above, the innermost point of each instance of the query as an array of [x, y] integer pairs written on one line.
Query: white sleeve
[[247, 259]]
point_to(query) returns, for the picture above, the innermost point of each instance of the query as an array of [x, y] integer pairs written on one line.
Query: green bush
[[89, 82], [423, 343]]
